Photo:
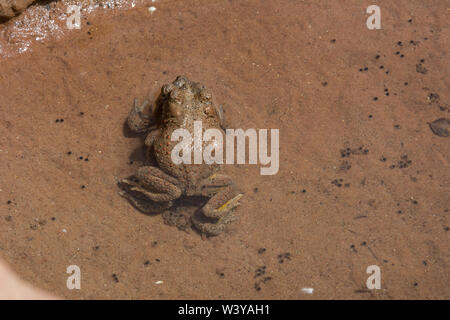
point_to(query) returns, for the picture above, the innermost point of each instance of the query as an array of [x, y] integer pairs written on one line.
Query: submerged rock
[[440, 127], [11, 8]]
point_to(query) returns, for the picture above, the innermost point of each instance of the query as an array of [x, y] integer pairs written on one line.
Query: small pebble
[[307, 290]]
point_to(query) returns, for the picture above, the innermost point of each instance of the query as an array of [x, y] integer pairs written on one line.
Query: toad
[[154, 189]]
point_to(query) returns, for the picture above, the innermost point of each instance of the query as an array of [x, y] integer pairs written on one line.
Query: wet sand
[[362, 180]]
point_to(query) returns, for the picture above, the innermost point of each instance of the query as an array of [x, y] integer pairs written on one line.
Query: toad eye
[[205, 96], [176, 96], [167, 89]]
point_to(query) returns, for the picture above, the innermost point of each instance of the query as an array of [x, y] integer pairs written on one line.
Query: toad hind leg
[[217, 212], [143, 204], [153, 184], [222, 203]]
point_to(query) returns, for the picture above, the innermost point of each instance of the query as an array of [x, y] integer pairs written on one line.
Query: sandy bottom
[[309, 68]]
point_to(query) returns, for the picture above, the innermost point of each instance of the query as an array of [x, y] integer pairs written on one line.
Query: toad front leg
[[218, 211], [150, 190], [138, 120]]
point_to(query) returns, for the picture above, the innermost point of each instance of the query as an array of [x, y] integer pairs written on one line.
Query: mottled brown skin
[[153, 189]]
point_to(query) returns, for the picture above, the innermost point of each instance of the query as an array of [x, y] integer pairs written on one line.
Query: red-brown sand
[[288, 65]]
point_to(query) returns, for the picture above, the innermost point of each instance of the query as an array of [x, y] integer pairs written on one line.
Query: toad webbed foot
[[218, 211]]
